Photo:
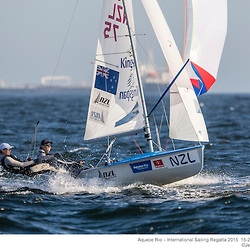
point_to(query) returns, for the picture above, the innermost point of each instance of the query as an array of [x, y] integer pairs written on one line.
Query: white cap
[[5, 145]]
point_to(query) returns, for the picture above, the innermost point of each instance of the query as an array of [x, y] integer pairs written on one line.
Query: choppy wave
[[198, 188]]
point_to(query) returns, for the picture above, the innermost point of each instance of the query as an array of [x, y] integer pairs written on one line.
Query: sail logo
[[127, 63], [97, 116], [117, 17], [139, 167], [132, 90], [106, 79], [129, 94], [102, 100]]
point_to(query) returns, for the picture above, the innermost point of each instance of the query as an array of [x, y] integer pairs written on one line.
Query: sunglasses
[[7, 149], [47, 145]]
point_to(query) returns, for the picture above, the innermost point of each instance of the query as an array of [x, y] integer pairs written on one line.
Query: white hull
[[157, 168]]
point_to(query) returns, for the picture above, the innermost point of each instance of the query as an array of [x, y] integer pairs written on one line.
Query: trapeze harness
[[15, 169]]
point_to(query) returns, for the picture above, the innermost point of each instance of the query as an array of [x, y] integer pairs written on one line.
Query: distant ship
[[150, 74], [57, 81]]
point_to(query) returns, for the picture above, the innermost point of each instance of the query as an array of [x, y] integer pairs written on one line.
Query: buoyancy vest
[[15, 169], [47, 158]]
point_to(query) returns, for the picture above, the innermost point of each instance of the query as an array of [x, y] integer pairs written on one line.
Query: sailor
[[45, 156], [44, 152], [57, 161], [12, 164]]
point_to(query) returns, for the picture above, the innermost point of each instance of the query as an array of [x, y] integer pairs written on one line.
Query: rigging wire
[[107, 152], [62, 48], [64, 42], [33, 141], [147, 127], [157, 134], [151, 62], [170, 84], [138, 146], [162, 95], [144, 52]]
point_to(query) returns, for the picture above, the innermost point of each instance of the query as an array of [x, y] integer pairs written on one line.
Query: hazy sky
[[32, 33]]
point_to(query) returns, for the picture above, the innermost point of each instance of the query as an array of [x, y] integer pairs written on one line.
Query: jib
[[181, 159]]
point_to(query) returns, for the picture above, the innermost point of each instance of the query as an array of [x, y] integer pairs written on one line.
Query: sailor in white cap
[[11, 163]]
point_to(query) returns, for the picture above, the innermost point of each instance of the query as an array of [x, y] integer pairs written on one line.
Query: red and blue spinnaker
[[204, 38]]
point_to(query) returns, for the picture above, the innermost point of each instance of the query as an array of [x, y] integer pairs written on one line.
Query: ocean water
[[217, 201]]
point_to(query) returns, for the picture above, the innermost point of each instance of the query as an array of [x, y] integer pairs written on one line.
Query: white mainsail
[[205, 33], [115, 103], [186, 119]]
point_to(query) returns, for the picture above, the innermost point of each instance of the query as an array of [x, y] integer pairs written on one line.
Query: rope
[[137, 145]]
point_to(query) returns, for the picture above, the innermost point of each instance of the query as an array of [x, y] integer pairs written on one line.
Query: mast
[[147, 127]]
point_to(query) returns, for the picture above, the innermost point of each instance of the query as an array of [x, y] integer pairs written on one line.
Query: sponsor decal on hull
[[158, 163], [142, 166]]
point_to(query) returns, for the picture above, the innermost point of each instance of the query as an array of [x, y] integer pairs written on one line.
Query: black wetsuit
[[14, 165]]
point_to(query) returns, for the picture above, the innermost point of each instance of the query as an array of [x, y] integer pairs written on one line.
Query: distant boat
[[117, 105]]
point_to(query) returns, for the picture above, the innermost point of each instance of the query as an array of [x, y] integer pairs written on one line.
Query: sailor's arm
[[46, 158], [14, 163]]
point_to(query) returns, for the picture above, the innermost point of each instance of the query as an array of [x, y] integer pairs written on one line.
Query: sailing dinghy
[[117, 105]]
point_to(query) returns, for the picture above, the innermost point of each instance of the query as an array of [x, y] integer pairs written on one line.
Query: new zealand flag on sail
[[106, 79]]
